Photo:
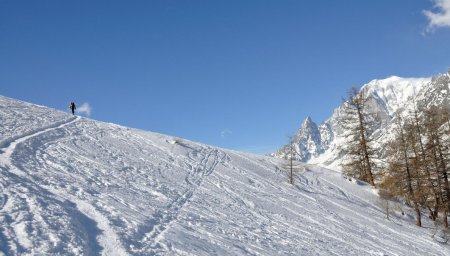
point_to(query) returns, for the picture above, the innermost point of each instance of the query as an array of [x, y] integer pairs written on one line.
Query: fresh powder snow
[[75, 186]]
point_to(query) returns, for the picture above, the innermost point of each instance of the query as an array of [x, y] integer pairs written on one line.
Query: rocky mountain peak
[[307, 123], [321, 144]]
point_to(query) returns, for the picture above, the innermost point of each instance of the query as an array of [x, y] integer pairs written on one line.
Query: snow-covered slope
[[74, 186], [388, 97]]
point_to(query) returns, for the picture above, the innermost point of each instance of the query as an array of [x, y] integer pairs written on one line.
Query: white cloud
[[440, 18], [224, 133], [84, 109]]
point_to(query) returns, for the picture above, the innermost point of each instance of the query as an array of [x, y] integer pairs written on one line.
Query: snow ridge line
[[164, 217]]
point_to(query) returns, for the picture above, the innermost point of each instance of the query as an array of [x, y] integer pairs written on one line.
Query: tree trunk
[[367, 162], [409, 178], [445, 217], [418, 215], [425, 166]]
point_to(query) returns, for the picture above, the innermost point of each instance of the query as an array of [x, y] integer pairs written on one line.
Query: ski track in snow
[[10, 147], [107, 236], [80, 187], [207, 160]]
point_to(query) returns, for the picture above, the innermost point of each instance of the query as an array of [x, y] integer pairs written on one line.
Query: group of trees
[[415, 164], [418, 160]]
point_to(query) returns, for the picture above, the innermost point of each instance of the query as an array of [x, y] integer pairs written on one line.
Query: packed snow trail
[[16, 183], [81, 187], [108, 240], [9, 149]]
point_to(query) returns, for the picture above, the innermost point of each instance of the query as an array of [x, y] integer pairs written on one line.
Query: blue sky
[[236, 74]]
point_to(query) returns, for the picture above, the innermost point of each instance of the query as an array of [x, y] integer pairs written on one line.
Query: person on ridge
[[72, 107]]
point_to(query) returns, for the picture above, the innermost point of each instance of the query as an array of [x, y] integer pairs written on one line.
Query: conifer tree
[[400, 179], [356, 122], [434, 120]]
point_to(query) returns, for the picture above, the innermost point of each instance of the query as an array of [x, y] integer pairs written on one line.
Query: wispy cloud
[[85, 109], [440, 16], [224, 133]]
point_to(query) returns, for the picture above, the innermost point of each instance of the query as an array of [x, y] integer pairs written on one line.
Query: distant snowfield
[[74, 186]]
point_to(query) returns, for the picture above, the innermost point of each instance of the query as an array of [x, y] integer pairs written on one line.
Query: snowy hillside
[[388, 97], [74, 186]]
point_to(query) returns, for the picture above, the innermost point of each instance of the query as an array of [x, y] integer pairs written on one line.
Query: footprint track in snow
[[161, 220]]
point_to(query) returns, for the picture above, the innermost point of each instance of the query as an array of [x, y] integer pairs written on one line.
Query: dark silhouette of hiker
[[72, 107]]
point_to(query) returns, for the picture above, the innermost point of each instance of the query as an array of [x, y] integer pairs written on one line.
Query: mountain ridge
[[387, 98]]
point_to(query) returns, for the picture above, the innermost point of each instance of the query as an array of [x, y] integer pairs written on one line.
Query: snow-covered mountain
[[388, 97], [74, 186], [307, 143]]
